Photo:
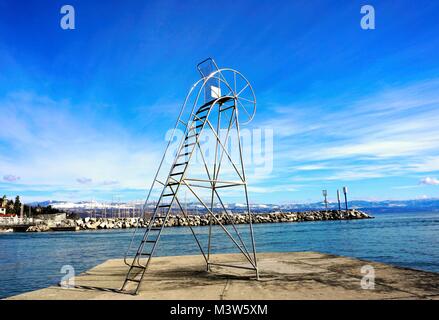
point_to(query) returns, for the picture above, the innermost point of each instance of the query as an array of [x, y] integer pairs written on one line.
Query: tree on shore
[[17, 205], [10, 206]]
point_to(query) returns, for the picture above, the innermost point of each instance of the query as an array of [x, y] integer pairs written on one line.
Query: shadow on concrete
[[97, 289]]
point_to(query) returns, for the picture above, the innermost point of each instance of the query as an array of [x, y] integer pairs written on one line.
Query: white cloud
[[429, 181]]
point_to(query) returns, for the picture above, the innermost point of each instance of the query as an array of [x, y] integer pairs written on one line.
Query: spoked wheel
[[233, 83]]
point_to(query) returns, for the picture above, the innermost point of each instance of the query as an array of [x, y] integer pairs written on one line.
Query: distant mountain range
[[373, 206]]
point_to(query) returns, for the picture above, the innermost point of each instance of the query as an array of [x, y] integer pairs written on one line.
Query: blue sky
[[85, 111]]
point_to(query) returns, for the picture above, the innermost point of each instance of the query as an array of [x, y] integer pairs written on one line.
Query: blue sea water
[[30, 261]]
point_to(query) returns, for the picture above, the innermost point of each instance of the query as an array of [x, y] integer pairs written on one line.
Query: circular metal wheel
[[228, 83], [233, 83]]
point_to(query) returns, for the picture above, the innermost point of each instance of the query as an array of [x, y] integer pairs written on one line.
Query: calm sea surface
[[30, 261]]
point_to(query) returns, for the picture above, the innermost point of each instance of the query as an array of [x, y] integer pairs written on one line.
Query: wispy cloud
[[51, 143], [390, 133]]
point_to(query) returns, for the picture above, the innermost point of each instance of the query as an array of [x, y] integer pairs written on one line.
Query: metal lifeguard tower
[[216, 105]]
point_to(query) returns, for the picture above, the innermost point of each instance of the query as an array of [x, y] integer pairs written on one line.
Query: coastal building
[[5, 218]]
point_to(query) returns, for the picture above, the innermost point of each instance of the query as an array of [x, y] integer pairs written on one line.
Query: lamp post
[[325, 194], [338, 199], [345, 191]]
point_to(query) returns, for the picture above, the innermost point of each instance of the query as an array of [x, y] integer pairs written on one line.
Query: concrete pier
[[295, 275]]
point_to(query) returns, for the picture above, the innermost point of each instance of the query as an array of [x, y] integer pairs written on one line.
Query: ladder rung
[[134, 280], [168, 195], [172, 184], [178, 173], [201, 118], [164, 205], [144, 254], [189, 145], [139, 267], [225, 109], [203, 109], [191, 136], [155, 228], [149, 241], [196, 127], [183, 154], [180, 164]]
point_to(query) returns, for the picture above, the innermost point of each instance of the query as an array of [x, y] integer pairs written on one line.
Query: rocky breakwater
[[201, 220]]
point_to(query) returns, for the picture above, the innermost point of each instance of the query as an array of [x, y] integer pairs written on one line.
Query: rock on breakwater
[[201, 220]]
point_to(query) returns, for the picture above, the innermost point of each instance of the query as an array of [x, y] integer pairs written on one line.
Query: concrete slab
[[294, 275]]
